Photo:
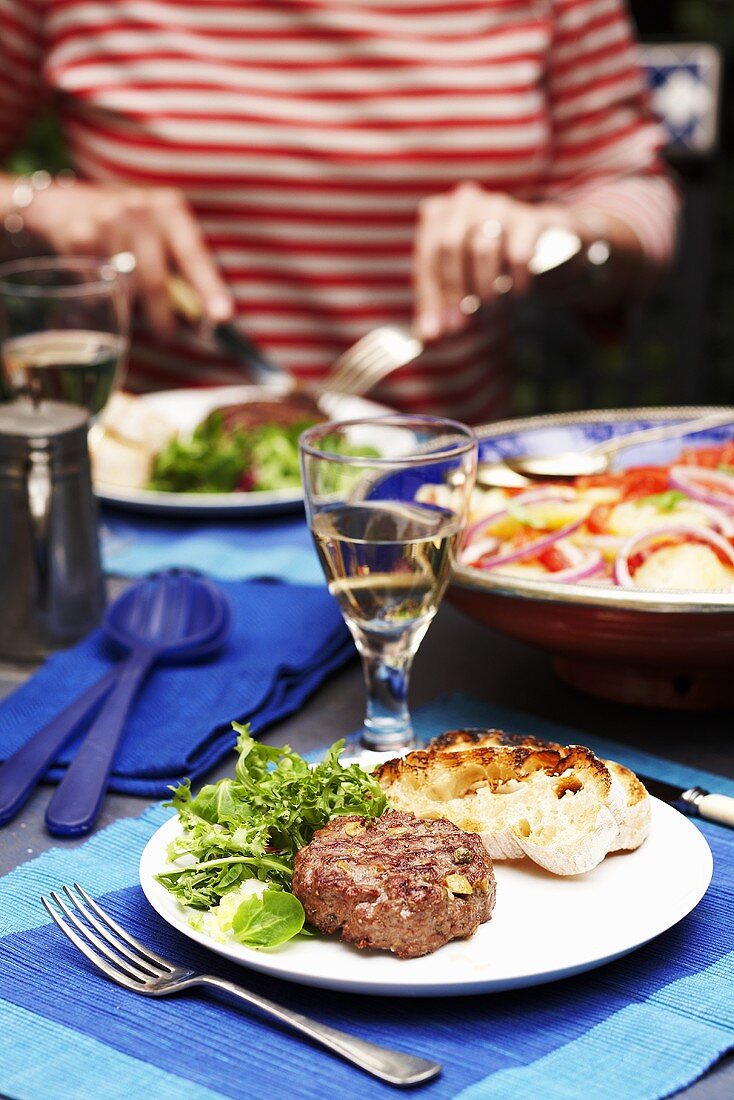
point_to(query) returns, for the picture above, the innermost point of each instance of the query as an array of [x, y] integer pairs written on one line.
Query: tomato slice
[[596, 521], [704, 456], [727, 454], [553, 559], [597, 481], [644, 481]]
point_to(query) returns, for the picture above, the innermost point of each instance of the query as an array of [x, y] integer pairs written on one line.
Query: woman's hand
[[468, 241], [156, 224]]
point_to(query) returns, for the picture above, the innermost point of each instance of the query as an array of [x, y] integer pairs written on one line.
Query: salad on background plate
[[247, 447], [224, 450]]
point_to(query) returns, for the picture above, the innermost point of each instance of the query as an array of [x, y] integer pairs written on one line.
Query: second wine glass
[[64, 324], [386, 500]]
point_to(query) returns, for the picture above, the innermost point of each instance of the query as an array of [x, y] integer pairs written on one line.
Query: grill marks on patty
[[397, 882], [285, 412]]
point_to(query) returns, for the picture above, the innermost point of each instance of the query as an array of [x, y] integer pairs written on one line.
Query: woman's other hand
[[156, 224], [468, 241]]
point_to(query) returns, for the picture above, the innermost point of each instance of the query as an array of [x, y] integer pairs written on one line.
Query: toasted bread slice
[[634, 820], [628, 800], [552, 806], [133, 421], [117, 462]]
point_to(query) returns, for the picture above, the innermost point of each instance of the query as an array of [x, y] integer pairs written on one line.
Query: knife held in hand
[[696, 802]]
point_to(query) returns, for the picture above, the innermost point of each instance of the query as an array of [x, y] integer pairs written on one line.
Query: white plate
[[186, 409], [543, 927]]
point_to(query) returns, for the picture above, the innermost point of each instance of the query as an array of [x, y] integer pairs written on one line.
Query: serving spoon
[[164, 618], [21, 772], [517, 471]]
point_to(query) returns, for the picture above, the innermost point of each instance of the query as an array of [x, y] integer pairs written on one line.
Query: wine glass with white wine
[[386, 500], [64, 325]]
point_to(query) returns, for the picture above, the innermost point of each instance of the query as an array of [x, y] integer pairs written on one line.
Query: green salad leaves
[[664, 502], [217, 460], [269, 920], [251, 826]]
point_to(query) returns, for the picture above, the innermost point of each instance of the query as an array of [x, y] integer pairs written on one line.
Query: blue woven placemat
[[637, 1029]]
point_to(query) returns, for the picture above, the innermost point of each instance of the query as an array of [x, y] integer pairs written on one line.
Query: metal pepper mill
[[51, 585]]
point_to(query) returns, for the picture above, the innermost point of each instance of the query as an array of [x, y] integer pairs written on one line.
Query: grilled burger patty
[[290, 409], [396, 882]]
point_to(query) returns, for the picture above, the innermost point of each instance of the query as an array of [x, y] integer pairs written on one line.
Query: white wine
[[75, 365], [387, 563]]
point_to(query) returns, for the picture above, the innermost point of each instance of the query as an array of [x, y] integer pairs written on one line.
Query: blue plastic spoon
[[22, 771], [168, 617]]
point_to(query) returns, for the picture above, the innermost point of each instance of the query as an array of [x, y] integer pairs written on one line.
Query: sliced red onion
[[583, 563], [476, 550], [536, 496], [474, 528], [689, 479], [531, 548], [718, 518], [633, 545]]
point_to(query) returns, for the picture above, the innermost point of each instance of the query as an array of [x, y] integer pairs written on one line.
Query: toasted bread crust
[[460, 739], [634, 818], [492, 766], [636, 791], [518, 792]]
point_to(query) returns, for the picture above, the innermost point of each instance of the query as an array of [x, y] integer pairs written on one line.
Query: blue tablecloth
[[637, 1029]]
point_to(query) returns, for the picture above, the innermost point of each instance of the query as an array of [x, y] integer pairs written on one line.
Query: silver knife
[[696, 802]]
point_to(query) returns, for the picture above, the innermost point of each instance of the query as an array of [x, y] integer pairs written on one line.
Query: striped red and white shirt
[[305, 132]]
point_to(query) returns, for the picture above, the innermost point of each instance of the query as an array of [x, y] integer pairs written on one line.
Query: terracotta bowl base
[[670, 688]]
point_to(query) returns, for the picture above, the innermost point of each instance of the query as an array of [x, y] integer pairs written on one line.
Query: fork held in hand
[[378, 353], [131, 964]]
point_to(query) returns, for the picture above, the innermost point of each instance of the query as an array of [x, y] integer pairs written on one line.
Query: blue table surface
[[457, 655]]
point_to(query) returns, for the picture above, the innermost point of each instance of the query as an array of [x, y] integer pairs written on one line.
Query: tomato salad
[[653, 527]]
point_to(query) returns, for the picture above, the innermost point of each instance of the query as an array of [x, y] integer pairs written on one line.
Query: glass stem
[[386, 665]]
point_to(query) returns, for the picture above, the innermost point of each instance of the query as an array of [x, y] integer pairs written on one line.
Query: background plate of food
[[224, 450], [627, 577]]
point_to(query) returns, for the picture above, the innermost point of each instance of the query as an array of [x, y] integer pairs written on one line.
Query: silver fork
[[377, 354], [131, 964]]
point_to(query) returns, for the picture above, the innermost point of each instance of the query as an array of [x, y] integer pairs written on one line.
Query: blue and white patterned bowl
[[660, 648]]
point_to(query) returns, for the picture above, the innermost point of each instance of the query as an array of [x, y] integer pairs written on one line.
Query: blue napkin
[[639, 1028], [278, 547], [286, 639]]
